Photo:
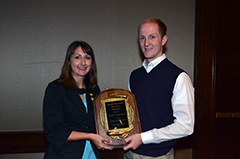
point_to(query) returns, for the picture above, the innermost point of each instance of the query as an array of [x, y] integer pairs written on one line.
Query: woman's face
[[81, 63]]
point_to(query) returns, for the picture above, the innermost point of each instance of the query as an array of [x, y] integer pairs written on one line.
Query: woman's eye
[[88, 57], [77, 57]]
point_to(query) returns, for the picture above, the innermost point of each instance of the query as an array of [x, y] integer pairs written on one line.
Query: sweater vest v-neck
[[153, 92]]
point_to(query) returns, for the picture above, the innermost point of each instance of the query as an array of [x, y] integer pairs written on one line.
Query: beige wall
[[34, 36]]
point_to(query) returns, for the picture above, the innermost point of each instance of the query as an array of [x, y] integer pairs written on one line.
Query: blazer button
[[85, 126]]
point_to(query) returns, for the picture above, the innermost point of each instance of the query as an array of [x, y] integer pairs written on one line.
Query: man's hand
[[135, 141]]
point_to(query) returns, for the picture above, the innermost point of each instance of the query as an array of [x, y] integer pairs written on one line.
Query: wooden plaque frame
[[132, 122]]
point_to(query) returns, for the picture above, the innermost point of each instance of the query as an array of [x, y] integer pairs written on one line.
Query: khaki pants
[[131, 155]]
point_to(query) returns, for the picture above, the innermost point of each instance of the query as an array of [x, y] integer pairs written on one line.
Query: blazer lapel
[[89, 102], [73, 94]]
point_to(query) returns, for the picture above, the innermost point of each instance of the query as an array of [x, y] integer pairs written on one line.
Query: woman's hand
[[99, 140]]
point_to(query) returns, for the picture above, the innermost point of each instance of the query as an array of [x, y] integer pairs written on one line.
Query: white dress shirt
[[182, 105]]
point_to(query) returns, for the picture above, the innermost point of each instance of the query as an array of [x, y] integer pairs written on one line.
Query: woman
[[68, 109]]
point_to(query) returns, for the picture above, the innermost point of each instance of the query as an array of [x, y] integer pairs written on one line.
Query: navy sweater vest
[[153, 92]]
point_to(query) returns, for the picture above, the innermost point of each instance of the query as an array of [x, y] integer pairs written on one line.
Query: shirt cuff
[[147, 137]]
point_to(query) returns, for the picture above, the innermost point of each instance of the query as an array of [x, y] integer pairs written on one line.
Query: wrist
[[146, 137], [91, 136]]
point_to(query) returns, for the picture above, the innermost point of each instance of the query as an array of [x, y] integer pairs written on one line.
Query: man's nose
[[146, 42]]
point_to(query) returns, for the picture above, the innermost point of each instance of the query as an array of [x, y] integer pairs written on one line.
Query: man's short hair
[[161, 25]]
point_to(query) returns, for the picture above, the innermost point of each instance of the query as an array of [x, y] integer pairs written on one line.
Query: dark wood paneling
[[186, 142], [30, 142], [22, 142], [227, 79], [204, 81], [217, 79], [227, 138], [228, 23], [227, 74]]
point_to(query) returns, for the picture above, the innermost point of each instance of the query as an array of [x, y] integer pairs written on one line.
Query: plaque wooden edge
[[116, 143]]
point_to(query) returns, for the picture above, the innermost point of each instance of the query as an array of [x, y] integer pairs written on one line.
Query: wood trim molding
[[22, 142], [35, 141]]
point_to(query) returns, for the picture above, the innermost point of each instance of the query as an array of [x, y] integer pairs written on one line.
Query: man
[[164, 95]]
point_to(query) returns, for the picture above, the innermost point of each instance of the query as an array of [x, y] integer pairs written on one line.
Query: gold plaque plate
[[116, 115]]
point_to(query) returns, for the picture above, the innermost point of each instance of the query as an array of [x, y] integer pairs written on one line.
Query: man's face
[[150, 41]]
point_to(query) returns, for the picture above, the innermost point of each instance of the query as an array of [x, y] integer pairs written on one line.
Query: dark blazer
[[64, 112]]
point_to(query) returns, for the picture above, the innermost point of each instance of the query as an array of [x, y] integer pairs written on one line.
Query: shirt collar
[[152, 64]]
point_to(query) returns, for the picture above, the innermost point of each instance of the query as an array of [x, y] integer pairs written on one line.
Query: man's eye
[[152, 37], [141, 38]]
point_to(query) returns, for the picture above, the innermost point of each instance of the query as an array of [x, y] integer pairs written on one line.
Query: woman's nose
[[83, 62]]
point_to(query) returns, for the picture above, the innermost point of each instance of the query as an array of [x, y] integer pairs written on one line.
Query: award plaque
[[116, 115]]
